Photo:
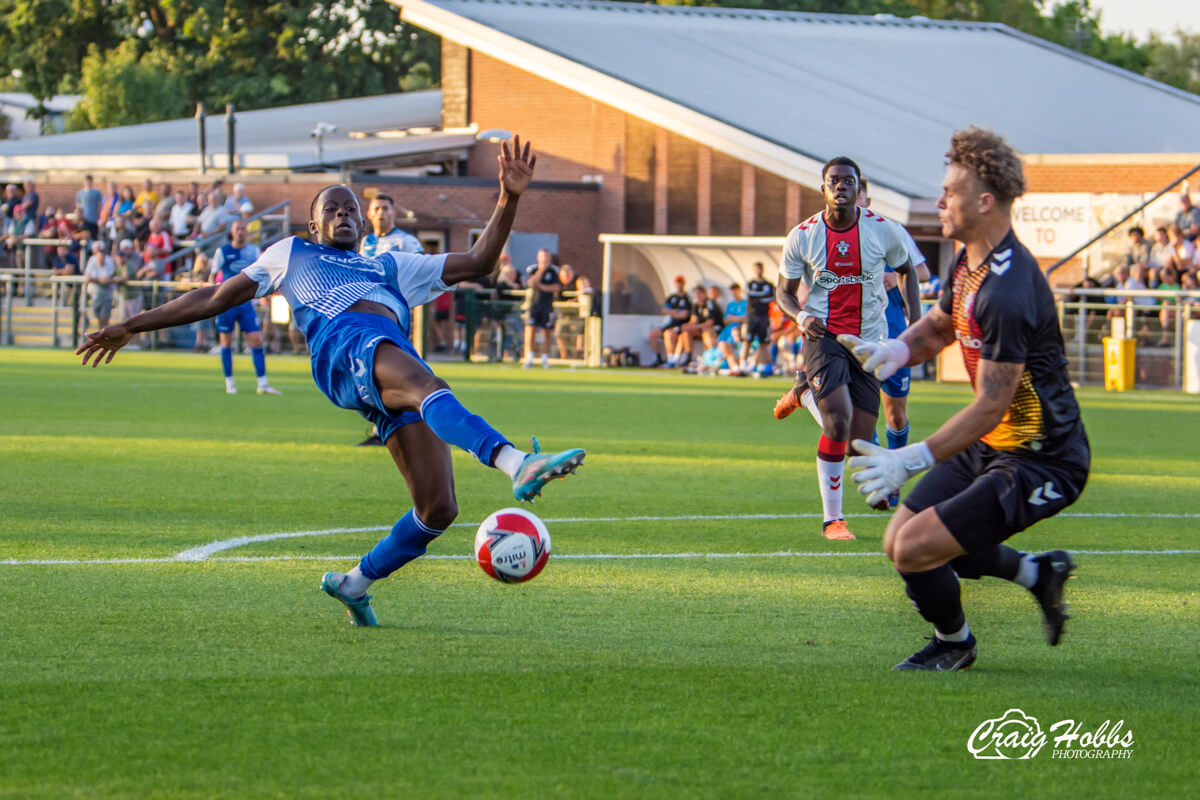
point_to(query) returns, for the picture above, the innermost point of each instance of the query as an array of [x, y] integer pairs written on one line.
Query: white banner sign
[[1052, 224]]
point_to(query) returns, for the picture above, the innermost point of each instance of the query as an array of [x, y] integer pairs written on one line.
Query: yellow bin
[[1118, 363]]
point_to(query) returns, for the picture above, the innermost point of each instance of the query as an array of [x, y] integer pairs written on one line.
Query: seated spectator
[[126, 204], [1139, 248], [98, 278], [1143, 306], [20, 228], [1166, 315], [1160, 248], [158, 247], [729, 340], [1188, 218], [707, 317], [166, 201], [213, 219], [1183, 248], [141, 223], [1189, 282], [253, 226], [678, 308], [64, 264], [510, 293], [234, 202], [182, 217]]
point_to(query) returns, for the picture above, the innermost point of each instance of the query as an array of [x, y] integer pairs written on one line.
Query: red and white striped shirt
[[843, 271]]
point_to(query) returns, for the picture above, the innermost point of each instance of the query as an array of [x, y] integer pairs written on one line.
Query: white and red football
[[512, 545]]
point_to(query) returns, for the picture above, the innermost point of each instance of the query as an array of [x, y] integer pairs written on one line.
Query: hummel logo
[[1000, 261], [1043, 493], [835, 483]]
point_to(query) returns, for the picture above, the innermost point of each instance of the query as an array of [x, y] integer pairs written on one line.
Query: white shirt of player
[[395, 239], [843, 271]]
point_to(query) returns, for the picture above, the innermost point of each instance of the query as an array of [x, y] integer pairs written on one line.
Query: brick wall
[[1128, 174]]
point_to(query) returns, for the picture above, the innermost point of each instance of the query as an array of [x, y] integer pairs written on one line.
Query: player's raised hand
[[516, 166], [882, 471], [97, 344], [880, 358]]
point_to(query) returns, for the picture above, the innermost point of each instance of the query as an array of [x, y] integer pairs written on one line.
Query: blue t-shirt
[[395, 239], [229, 260], [89, 201]]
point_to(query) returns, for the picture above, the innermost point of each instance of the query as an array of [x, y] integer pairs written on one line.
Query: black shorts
[[541, 317], [673, 323], [983, 496], [757, 326], [829, 365]]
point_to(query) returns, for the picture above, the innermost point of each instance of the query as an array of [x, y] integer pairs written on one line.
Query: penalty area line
[[204, 552], [562, 556]]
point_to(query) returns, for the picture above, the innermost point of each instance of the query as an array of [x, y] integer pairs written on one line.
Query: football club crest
[[816, 382], [842, 247]]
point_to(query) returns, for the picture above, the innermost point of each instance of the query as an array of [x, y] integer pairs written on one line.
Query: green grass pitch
[[696, 676]]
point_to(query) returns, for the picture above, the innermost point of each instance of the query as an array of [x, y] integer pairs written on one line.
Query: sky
[[1139, 17]]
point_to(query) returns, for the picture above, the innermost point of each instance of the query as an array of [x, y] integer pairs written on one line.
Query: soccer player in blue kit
[[355, 312], [230, 259]]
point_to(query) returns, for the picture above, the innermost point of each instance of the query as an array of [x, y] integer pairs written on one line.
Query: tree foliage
[[148, 60]]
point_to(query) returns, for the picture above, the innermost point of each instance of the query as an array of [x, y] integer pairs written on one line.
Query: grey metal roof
[[884, 90], [276, 138]]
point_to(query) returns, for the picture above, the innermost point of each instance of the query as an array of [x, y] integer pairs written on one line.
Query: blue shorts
[[343, 365], [727, 332], [897, 385], [243, 315]]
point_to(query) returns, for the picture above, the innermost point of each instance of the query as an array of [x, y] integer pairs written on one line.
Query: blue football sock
[[260, 361], [454, 425], [897, 439], [408, 540], [875, 438], [227, 361]]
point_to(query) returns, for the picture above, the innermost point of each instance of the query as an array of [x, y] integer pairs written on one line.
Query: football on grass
[[512, 545]]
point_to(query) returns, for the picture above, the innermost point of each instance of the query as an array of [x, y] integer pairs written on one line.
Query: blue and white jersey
[[396, 239], [321, 282], [229, 260], [896, 321]]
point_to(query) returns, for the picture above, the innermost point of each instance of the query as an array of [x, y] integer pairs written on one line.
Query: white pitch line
[[205, 551], [562, 556]]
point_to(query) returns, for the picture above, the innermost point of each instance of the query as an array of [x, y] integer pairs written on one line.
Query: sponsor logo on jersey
[[353, 262], [968, 341], [828, 279]]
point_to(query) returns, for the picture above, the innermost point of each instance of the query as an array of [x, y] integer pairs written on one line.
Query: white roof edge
[[643, 104]]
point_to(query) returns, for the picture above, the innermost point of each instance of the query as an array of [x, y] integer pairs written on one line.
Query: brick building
[[677, 121]]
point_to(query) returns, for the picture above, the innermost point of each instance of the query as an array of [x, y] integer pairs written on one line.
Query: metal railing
[[487, 325], [1086, 317]]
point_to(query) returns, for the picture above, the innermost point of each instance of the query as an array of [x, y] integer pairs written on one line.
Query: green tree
[[1176, 63], [147, 60]]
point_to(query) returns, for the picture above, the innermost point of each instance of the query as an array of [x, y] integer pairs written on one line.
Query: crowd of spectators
[[138, 232], [1169, 260]]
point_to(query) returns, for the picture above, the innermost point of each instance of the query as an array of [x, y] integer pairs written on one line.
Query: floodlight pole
[[231, 148], [200, 134]]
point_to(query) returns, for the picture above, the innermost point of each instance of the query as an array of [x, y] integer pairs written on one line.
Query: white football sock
[[508, 460], [356, 584], [1027, 573], [262, 382], [830, 473], [808, 401], [960, 635]]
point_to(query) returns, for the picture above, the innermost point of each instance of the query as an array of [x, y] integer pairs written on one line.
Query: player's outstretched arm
[[516, 172], [191, 306]]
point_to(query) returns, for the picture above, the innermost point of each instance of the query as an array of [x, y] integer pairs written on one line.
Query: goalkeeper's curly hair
[[991, 159]]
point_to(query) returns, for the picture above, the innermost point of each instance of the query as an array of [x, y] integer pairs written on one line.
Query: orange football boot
[[837, 531]]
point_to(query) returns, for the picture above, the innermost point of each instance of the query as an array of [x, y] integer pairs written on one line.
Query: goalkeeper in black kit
[[1018, 453]]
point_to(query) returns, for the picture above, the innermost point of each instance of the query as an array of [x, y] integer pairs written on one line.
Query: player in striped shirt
[[356, 313], [840, 256]]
